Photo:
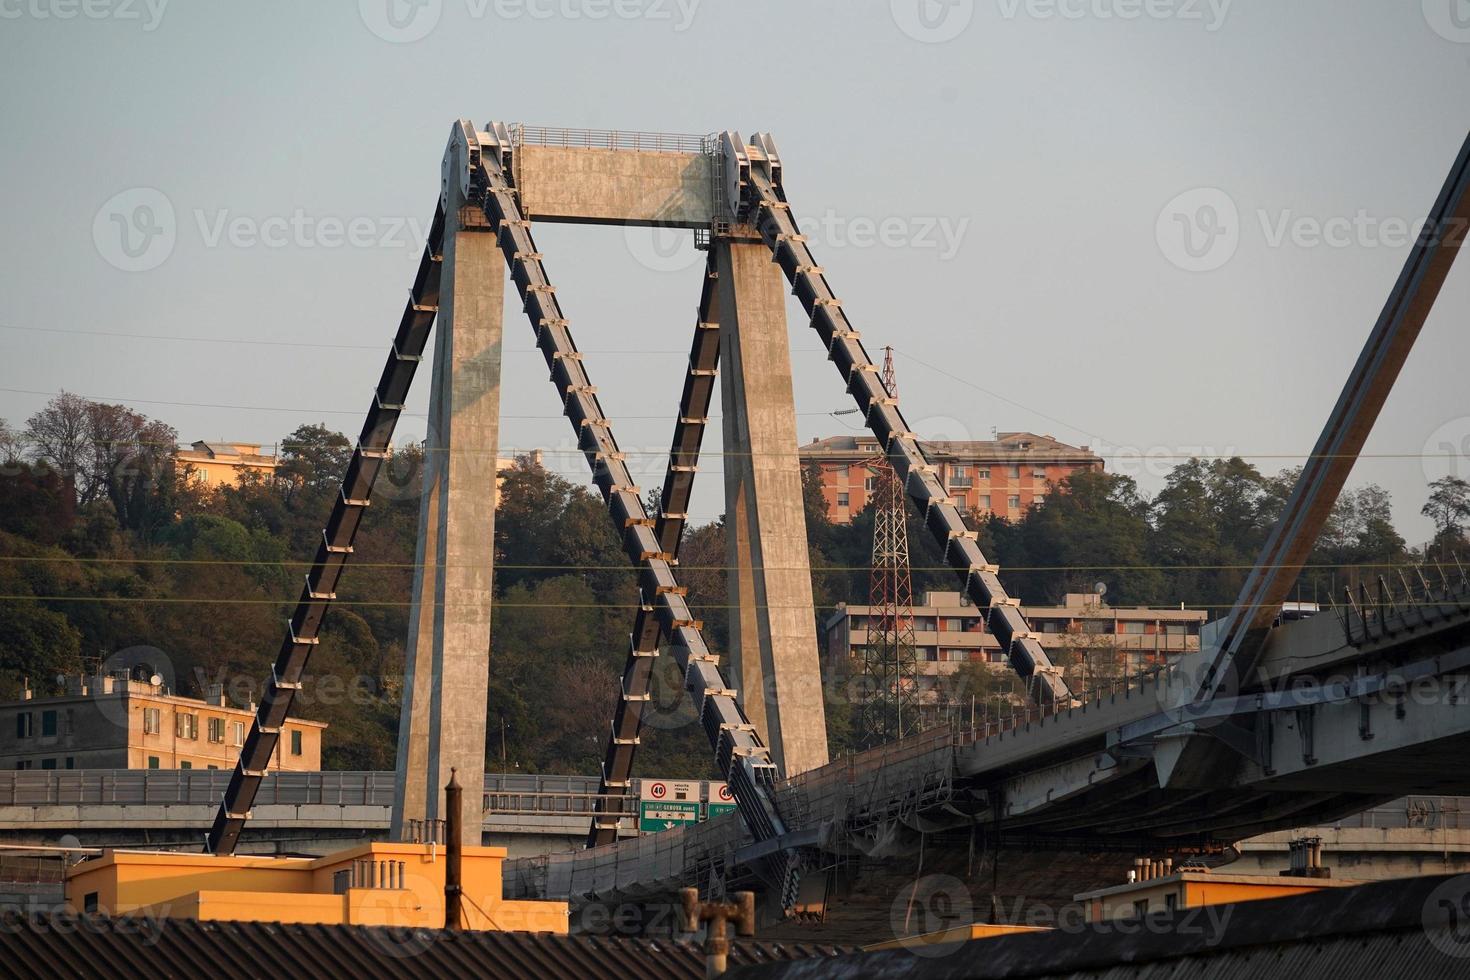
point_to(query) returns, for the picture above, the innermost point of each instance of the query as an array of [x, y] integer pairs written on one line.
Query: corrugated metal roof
[[1408, 928], [98, 946]]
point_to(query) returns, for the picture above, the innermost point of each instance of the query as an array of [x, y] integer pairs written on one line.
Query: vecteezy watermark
[[1201, 229], [1446, 917], [927, 908], [1210, 13], [137, 229], [1447, 451], [147, 12], [406, 21], [1450, 19], [670, 248], [932, 21]]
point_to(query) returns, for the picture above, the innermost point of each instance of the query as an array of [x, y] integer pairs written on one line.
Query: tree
[[57, 436], [1448, 507]]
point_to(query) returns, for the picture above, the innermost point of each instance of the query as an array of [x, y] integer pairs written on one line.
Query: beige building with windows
[[949, 631], [223, 464], [1004, 475], [104, 722]]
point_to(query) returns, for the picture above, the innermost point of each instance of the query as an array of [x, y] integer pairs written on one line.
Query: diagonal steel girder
[[754, 176], [643, 643], [1290, 542]]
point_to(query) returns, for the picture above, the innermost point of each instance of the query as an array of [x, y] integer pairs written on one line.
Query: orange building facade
[[1004, 475]]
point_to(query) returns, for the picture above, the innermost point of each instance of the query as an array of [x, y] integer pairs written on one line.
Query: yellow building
[[375, 884], [221, 464], [106, 722], [1193, 888]]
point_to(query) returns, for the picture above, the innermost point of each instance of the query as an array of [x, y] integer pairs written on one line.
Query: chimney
[[453, 852]]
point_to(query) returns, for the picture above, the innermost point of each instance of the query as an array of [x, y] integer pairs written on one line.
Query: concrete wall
[[626, 187]]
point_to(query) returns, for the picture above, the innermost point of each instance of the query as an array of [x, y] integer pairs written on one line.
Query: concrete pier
[[447, 673], [773, 634]]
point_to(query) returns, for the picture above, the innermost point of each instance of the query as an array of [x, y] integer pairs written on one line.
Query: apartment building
[[105, 722], [949, 631], [1004, 475]]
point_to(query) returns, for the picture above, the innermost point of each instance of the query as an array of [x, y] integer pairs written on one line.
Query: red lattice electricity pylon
[[888, 693]]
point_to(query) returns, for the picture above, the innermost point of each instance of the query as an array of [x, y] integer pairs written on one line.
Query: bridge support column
[[773, 635], [446, 672]]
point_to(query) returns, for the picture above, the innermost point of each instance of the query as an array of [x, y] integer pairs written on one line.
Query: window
[[216, 729], [1098, 626], [25, 724], [48, 724], [186, 765], [1038, 474], [984, 501], [983, 473], [842, 500], [150, 721], [71, 762], [89, 902], [186, 725], [239, 733], [1140, 907], [24, 764], [1131, 626], [296, 741], [959, 476], [871, 484], [1013, 472], [48, 763], [1013, 502], [211, 767], [153, 762], [1171, 902]]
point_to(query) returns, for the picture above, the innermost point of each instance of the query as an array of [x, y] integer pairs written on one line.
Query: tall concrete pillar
[[773, 635], [442, 725]]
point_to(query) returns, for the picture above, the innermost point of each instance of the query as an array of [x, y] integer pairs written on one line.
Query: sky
[[1159, 228]]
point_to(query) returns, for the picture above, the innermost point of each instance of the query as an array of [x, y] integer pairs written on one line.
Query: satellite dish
[[156, 680], [1101, 588]]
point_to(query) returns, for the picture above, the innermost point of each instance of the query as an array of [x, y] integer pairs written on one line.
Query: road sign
[[721, 800], [654, 815], [664, 804]]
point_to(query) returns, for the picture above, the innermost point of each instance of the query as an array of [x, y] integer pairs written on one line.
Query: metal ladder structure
[[336, 545]]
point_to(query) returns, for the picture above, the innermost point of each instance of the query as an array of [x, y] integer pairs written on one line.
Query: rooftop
[[1006, 445], [98, 946]]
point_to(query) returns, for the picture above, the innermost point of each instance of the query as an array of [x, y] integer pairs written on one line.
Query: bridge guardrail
[[506, 793]]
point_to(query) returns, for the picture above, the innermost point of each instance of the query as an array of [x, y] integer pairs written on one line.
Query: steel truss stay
[[335, 547], [643, 644], [753, 176]]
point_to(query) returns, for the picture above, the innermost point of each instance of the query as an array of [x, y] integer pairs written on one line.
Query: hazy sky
[[1155, 226]]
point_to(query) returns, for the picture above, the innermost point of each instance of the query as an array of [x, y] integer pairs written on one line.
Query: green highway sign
[[656, 815]]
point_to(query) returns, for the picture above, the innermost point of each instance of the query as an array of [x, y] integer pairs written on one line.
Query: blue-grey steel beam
[[1290, 542]]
